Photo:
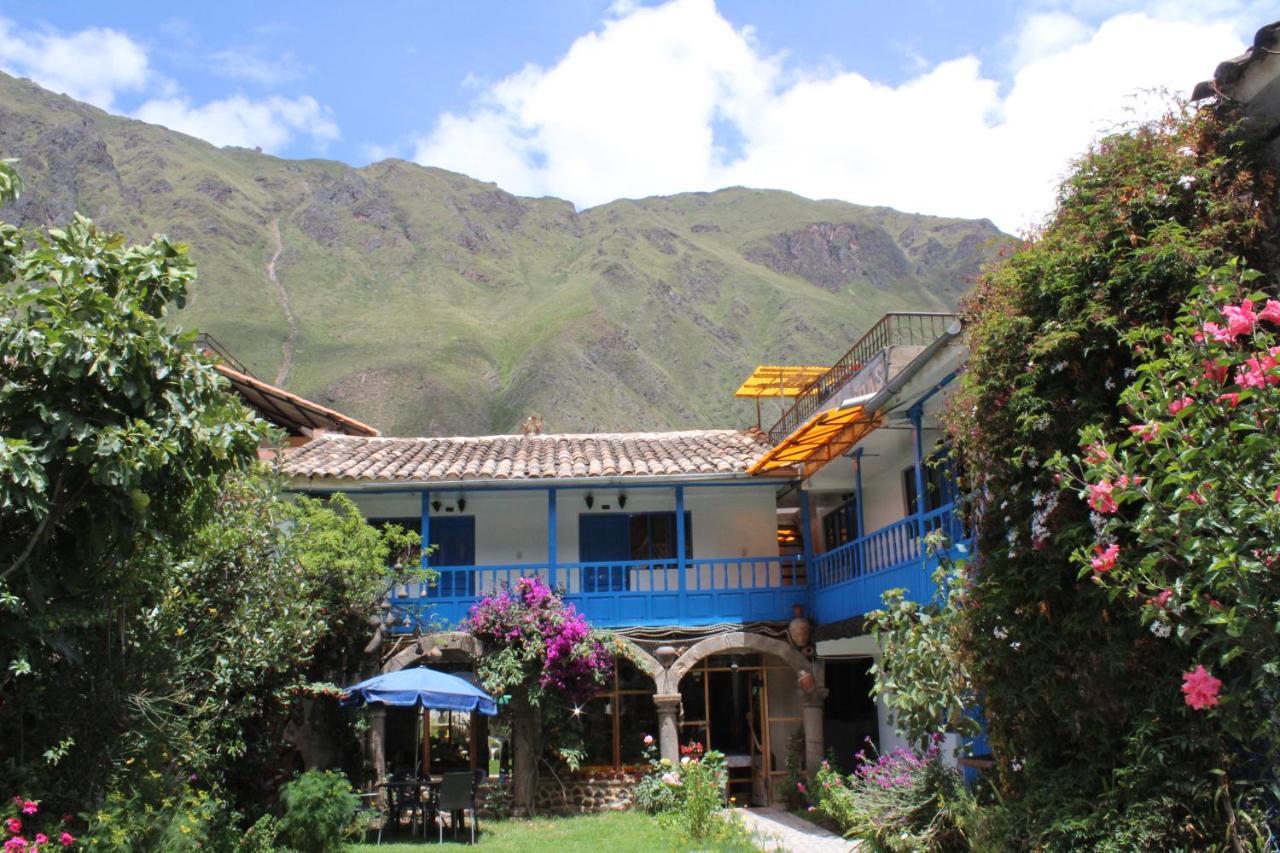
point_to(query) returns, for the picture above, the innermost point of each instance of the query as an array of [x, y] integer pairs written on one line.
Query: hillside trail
[[286, 347]]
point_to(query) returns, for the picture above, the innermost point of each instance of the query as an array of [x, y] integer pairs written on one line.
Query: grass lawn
[[616, 832]]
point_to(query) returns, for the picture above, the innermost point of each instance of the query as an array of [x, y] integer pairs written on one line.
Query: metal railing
[[897, 328], [893, 545], [213, 348]]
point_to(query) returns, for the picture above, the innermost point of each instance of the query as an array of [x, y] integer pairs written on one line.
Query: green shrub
[[319, 811], [899, 801]]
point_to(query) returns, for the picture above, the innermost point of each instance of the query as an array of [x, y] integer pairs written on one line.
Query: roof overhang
[[351, 485], [297, 415], [820, 439], [775, 380]]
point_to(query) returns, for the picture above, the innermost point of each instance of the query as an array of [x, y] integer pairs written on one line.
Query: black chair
[[405, 796], [457, 794]]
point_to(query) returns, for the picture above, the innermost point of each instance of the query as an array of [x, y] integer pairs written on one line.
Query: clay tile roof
[[527, 457]]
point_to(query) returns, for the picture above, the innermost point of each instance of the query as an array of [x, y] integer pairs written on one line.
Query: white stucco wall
[[511, 527]]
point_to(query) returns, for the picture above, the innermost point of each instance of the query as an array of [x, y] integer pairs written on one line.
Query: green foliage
[[898, 802], [921, 676], [1076, 689], [160, 813], [319, 808]]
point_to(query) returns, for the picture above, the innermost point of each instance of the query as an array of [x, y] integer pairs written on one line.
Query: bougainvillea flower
[[1179, 404], [30, 807], [1104, 559], [1146, 432], [17, 843], [1241, 318], [1100, 498], [1270, 312], [1200, 688]]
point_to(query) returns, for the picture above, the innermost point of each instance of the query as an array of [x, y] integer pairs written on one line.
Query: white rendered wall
[[511, 528]]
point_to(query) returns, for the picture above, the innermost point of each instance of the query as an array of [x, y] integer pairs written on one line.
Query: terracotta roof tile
[[525, 457]]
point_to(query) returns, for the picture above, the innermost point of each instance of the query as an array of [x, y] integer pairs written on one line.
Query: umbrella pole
[[426, 742]]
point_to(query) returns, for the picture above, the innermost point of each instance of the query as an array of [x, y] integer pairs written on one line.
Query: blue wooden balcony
[[849, 580], [620, 594]]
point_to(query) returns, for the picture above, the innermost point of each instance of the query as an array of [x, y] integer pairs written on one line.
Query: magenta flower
[[648, 740], [1179, 404], [66, 839], [30, 807], [1161, 600], [13, 825], [1200, 688], [1219, 334], [1146, 432]]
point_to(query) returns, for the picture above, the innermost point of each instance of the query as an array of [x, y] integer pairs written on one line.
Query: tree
[[541, 654], [1066, 671]]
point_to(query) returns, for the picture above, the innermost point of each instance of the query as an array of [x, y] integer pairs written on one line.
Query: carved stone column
[[668, 725], [814, 742]]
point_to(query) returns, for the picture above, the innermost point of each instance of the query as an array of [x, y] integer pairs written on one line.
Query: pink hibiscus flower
[[1218, 333], [1100, 497], [1162, 599], [1146, 432], [1241, 318], [1270, 312], [1200, 688], [1104, 559], [1179, 404]]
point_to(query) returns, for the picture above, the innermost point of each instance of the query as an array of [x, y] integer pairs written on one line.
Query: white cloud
[[90, 65], [258, 65], [269, 123], [630, 111]]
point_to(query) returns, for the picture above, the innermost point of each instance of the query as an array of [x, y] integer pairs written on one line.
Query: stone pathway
[[777, 829]]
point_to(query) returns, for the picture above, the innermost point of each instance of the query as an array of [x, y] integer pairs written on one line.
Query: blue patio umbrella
[[421, 686]]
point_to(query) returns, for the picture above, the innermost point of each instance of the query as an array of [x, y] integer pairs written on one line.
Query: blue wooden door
[[604, 538], [455, 539]]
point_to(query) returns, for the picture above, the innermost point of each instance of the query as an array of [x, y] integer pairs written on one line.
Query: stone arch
[[456, 641], [648, 664], [737, 641]]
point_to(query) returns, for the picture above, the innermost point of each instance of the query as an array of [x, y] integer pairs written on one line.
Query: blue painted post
[[551, 538], [917, 430], [425, 533], [806, 540], [859, 521], [680, 535]]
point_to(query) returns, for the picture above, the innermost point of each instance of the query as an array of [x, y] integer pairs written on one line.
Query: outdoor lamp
[[435, 505], [462, 504], [589, 500], [622, 501]]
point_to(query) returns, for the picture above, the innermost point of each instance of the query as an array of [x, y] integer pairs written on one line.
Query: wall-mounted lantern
[[589, 500]]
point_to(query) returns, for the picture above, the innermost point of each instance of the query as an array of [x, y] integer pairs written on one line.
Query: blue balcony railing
[[619, 594], [849, 580]]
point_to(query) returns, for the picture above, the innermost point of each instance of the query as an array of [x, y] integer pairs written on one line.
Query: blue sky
[[923, 106]]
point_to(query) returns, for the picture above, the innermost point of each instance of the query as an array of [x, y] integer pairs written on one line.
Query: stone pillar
[[668, 725], [811, 714]]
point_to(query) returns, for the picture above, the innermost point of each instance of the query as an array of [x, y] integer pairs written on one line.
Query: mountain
[[426, 302]]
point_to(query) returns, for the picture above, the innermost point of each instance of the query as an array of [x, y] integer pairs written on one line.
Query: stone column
[[811, 714], [668, 725]]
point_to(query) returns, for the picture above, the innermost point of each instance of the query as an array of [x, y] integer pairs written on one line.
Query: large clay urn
[[800, 629]]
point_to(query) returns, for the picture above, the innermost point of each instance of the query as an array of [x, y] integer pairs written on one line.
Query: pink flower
[[30, 807], [1215, 372], [1146, 432], [1100, 498], [1240, 319], [41, 838], [1218, 333], [1231, 398], [1270, 312], [1162, 599], [1196, 497], [66, 839], [801, 788], [648, 740], [1278, 494], [1200, 688], [1179, 404], [14, 844], [1252, 375], [671, 778], [13, 825], [1096, 454], [1104, 559]]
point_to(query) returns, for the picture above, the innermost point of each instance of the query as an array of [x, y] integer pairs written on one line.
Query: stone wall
[[584, 793]]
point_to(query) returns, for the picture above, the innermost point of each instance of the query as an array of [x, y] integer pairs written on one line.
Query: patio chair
[[457, 794], [405, 797]]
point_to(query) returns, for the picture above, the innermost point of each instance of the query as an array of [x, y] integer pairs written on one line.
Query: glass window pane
[[595, 726], [638, 716], [692, 697]]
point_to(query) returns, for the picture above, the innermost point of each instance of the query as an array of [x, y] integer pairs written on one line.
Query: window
[[939, 482], [841, 524], [619, 538], [613, 724]]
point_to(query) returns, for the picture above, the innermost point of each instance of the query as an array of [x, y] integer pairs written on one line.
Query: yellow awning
[[818, 440], [773, 380]]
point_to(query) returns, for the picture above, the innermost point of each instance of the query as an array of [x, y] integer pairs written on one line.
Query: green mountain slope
[[425, 302]]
